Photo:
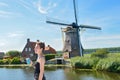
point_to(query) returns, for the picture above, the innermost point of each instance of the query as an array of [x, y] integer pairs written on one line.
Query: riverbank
[[109, 62], [27, 65], [12, 65]]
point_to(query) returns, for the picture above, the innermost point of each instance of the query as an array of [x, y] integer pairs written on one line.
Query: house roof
[[47, 48], [50, 49], [33, 44]]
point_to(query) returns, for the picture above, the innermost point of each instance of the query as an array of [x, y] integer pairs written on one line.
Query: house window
[[31, 55], [26, 49], [29, 49]]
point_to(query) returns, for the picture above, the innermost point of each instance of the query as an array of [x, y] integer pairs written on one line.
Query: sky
[[22, 19]]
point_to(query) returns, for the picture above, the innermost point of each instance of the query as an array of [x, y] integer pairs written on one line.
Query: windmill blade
[[57, 23], [75, 12], [91, 27]]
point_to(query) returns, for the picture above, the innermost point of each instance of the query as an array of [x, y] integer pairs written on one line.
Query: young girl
[[39, 65]]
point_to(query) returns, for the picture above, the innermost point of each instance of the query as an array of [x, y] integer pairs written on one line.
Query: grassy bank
[[109, 63]]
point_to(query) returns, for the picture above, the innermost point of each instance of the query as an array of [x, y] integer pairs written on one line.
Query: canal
[[55, 73]]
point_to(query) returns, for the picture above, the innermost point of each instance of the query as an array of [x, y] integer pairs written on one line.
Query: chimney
[[28, 40], [48, 45], [38, 41]]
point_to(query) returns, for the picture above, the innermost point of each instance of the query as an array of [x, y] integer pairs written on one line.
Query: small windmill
[[72, 43]]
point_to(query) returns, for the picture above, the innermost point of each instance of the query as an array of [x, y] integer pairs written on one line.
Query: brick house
[[28, 50], [2, 54], [49, 50]]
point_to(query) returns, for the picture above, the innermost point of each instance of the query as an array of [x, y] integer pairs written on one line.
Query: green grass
[[110, 63]]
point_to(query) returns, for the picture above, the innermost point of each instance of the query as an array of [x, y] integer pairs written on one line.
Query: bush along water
[[15, 60], [109, 64], [101, 60], [49, 56], [84, 62]]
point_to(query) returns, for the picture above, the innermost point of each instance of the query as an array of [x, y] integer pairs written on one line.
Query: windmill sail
[[75, 12], [72, 43], [57, 23], [91, 27]]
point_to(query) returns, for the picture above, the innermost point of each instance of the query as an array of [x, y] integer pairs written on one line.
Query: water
[[55, 73]]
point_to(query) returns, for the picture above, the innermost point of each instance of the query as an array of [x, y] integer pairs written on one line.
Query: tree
[[13, 53]]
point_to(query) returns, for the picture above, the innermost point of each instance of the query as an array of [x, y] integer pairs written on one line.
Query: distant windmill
[[72, 42]]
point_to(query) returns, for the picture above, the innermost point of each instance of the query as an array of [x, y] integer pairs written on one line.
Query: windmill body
[[71, 42]]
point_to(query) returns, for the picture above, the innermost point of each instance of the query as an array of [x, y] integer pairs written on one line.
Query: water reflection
[[55, 73]]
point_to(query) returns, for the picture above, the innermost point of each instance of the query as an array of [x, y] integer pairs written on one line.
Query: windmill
[[72, 43]]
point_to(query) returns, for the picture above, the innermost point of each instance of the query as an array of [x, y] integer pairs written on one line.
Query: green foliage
[[87, 51], [74, 60], [101, 53], [49, 56], [6, 61], [15, 60], [59, 52], [109, 64], [84, 62], [111, 50], [59, 55], [13, 53], [1, 62]]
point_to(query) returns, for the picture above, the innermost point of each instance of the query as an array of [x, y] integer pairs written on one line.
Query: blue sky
[[22, 19]]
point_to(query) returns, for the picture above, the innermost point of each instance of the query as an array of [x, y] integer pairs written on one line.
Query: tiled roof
[[33, 44], [50, 49], [47, 48]]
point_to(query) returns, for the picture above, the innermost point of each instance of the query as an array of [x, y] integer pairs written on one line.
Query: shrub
[[100, 53], [59, 55], [15, 60], [118, 69], [74, 60], [109, 64], [49, 56], [84, 62], [6, 61], [1, 62]]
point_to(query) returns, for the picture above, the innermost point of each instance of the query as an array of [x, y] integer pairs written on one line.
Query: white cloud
[[8, 14], [12, 41], [55, 43], [42, 9], [27, 6], [8, 44], [24, 5], [4, 13], [15, 35], [3, 4], [103, 37], [45, 10], [101, 41], [2, 44]]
